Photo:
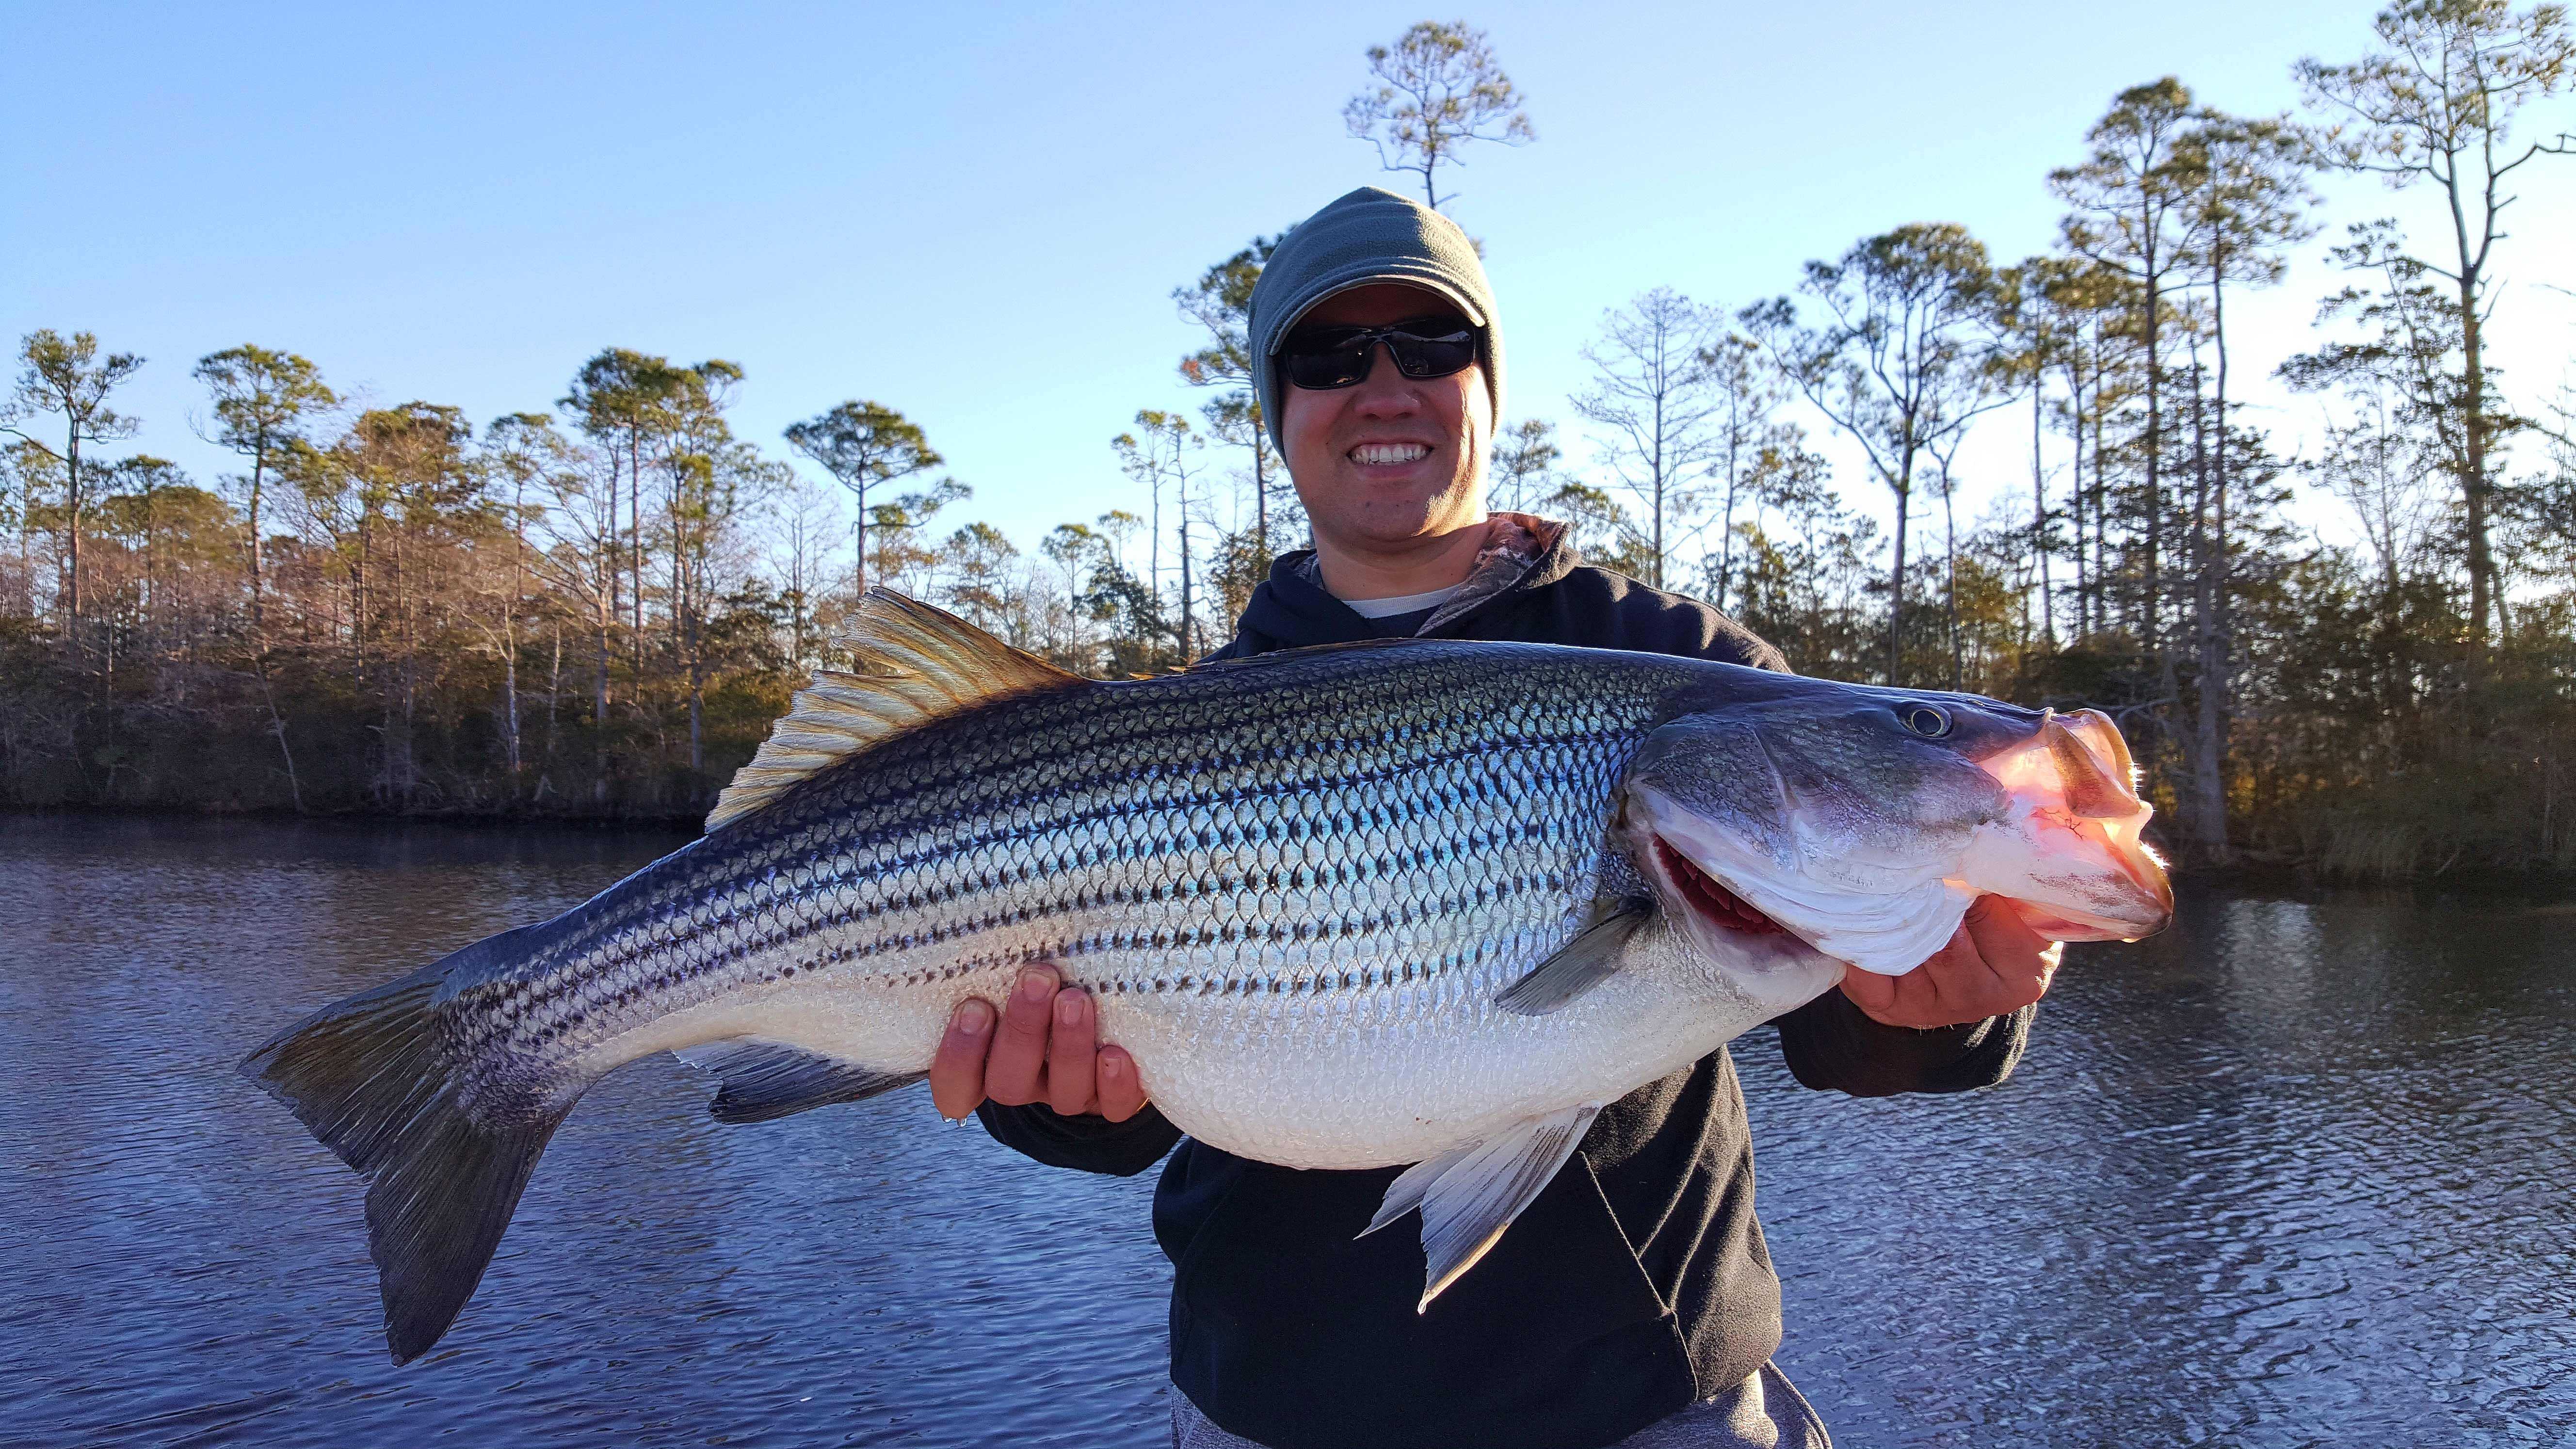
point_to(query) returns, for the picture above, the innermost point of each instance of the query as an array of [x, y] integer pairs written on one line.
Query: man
[[1633, 1302]]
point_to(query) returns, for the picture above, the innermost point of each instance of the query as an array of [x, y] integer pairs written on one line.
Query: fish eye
[[1924, 720]]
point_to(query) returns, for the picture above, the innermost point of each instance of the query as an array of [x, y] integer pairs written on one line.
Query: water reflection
[[2293, 1174]]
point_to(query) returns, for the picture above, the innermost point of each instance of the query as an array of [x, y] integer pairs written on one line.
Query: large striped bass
[[1412, 902]]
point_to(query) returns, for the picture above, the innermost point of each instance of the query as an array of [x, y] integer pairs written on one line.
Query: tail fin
[[375, 1078]]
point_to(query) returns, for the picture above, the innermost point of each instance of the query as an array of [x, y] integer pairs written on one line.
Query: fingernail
[[1113, 1064], [974, 1018], [1035, 984], [1068, 1007]]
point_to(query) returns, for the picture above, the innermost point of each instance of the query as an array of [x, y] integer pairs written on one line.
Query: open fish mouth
[[2072, 847], [1708, 898]]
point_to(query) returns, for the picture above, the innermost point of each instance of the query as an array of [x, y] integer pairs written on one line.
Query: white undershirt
[[1404, 603]]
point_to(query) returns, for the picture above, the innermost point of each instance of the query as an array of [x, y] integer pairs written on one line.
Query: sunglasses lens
[[1320, 363], [1433, 356]]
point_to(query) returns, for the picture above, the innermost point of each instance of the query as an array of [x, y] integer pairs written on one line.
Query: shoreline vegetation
[[591, 613]]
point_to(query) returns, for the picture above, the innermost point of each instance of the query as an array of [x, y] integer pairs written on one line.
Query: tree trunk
[[2151, 616], [258, 476], [2483, 603], [2075, 499], [2207, 817], [860, 492], [599, 717], [2039, 507], [510, 705], [1950, 550], [2217, 663], [1904, 489], [1659, 485], [1260, 498], [277, 726], [72, 502], [1189, 616]]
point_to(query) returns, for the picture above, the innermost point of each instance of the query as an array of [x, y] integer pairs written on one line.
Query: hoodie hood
[[1292, 609]]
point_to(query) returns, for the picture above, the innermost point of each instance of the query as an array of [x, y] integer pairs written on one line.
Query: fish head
[[1863, 821]]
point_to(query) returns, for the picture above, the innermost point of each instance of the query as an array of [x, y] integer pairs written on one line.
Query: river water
[[2295, 1173]]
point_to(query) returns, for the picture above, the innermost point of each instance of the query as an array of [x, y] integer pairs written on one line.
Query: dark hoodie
[[1637, 1282]]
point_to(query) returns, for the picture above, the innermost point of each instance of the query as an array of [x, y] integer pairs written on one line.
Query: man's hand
[[1044, 1052], [1995, 964]]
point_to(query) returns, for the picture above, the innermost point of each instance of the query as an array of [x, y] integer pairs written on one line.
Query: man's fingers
[[1069, 1054], [1868, 990], [1013, 1074], [2022, 959], [1122, 1092], [957, 1068]]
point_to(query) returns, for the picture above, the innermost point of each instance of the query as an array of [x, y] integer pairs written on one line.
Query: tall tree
[[1898, 361], [263, 402], [67, 377], [1163, 452], [1653, 395], [2249, 206], [863, 444], [806, 514], [1221, 302], [520, 448], [1752, 446], [2439, 105], [624, 399], [2032, 334], [1438, 88], [2131, 213]]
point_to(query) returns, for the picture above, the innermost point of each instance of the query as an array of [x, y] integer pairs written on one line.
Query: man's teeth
[[1390, 452]]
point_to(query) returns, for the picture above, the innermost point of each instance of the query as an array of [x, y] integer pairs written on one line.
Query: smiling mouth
[[1379, 454], [1715, 903]]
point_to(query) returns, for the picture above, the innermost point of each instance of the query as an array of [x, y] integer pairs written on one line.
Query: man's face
[[1394, 458]]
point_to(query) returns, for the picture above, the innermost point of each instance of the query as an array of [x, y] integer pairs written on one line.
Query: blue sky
[[977, 213]]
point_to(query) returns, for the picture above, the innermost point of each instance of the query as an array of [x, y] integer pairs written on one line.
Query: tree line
[[596, 608]]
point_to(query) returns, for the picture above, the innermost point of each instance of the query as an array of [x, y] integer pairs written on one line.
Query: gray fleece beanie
[[1371, 235]]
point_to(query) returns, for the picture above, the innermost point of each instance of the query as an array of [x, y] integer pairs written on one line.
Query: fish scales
[[1355, 849]]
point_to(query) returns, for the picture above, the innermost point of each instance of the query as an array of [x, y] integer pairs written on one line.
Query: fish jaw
[[2070, 847], [1889, 925]]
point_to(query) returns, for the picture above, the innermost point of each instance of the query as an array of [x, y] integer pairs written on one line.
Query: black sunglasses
[[1323, 358]]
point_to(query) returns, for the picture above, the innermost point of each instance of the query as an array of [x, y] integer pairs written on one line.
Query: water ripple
[[2294, 1174]]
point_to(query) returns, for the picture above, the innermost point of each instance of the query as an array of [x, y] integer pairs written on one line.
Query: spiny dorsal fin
[[920, 663]]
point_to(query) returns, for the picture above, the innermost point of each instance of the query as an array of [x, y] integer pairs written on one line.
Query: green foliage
[[1438, 88]]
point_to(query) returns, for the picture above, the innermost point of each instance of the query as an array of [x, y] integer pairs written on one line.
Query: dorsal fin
[[920, 663]]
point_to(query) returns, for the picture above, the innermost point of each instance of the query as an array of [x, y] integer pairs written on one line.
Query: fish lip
[[2124, 917], [1709, 898]]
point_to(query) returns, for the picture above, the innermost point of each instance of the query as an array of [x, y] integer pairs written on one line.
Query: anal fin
[[1587, 961], [766, 1079], [1467, 1196]]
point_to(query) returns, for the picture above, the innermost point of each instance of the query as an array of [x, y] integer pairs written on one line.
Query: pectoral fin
[[767, 1079], [1586, 962], [1469, 1195]]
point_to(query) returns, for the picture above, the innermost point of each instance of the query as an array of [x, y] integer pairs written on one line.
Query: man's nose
[[1385, 391]]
